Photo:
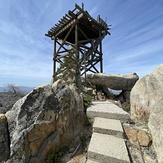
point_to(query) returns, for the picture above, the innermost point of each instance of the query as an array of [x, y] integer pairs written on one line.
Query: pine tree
[[69, 69]]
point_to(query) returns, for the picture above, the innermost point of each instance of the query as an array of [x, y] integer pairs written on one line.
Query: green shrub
[[54, 156], [87, 99]]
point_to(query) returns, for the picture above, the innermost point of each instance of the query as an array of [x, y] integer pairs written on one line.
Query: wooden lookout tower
[[79, 34]]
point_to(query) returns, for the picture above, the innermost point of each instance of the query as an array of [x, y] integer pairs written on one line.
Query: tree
[[69, 68], [12, 88]]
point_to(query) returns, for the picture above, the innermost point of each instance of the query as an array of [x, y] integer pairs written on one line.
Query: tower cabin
[[78, 34]]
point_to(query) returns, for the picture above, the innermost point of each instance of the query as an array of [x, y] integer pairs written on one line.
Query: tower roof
[[89, 28]]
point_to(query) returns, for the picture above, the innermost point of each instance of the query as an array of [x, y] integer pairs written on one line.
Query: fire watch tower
[[79, 34]]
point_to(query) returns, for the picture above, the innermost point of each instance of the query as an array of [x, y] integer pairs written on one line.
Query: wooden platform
[[88, 27]]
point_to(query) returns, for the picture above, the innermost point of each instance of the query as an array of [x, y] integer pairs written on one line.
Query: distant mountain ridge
[[24, 89]]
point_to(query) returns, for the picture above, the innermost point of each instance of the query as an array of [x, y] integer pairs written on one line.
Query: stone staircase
[[107, 143]]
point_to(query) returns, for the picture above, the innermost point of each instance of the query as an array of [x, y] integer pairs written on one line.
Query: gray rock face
[[49, 117], [4, 139], [116, 82], [147, 106]]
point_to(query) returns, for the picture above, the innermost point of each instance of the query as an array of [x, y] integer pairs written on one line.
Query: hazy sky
[[135, 44]]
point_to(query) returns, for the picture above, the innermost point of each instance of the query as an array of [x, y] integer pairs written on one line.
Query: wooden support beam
[[68, 25], [77, 75], [89, 69], [66, 37], [85, 41], [59, 61], [84, 46], [101, 61], [87, 14], [62, 56], [63, 51], [95, 68], [69, 17], [61, 22], [82, 32], [81, 52], [82, 6], [90, 62], [62, 46], [72, 14], [69, 44], [64, 18], [54, 61]]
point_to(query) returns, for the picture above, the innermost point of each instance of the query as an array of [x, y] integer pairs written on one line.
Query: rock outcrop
[[4, 139], [139, 142], [147, 106], [116, 82], [146, 92], [51, 116], [156, 127]]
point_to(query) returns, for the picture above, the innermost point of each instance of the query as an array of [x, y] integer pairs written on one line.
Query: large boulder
[[145, 93], [147, 106], [116, 82], [156, 127], [49, 117], [4, 139]]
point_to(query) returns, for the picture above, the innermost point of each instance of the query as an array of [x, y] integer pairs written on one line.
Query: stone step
[[92, 161], [107, 149], [107, 110], [108, 126], [101, 102]]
